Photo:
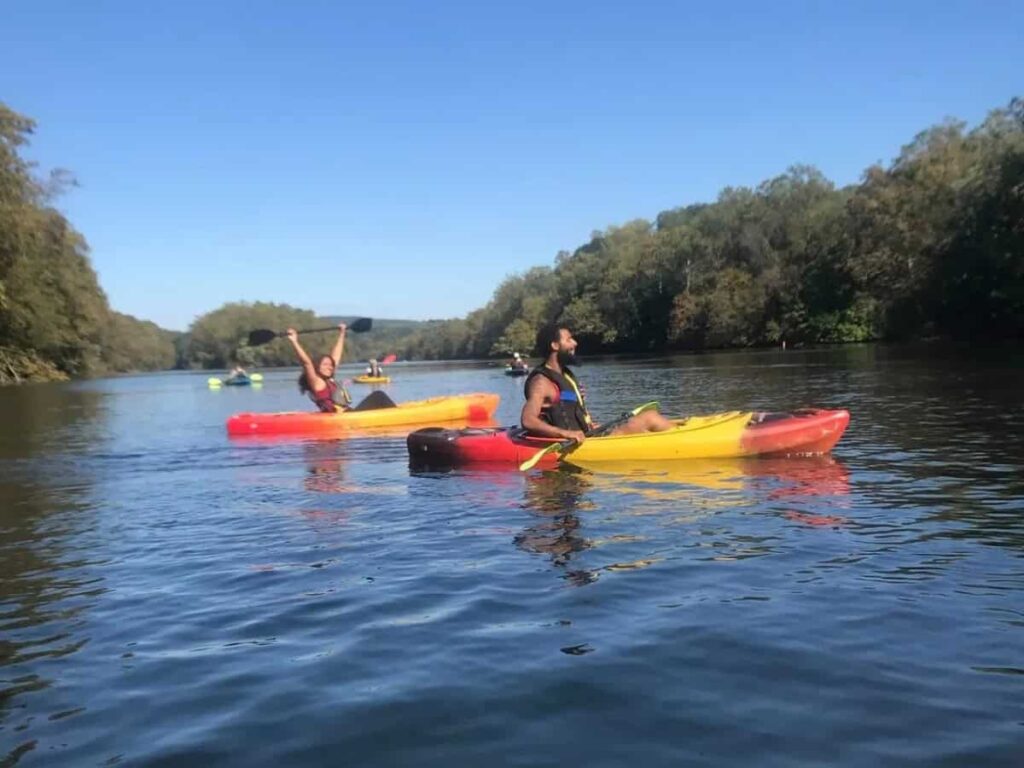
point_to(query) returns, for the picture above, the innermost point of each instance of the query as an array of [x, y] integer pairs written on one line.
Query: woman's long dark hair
[[304, 386]]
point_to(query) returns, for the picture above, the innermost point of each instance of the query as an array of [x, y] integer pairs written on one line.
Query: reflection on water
[[325, 462], [49, 576], [729, 478], [557, 499], [672, 493], [50, 420]]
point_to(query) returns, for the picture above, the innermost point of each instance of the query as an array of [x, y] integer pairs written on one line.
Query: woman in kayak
[[318, 381], [555, 406], [374, 369]]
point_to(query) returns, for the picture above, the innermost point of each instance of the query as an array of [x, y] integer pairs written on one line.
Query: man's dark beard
[[567, 358]]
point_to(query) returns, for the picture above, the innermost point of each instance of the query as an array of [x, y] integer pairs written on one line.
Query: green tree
[[216, 339], [51, 306], [54, 317], [129, 344], [518, 337], [929, 244]]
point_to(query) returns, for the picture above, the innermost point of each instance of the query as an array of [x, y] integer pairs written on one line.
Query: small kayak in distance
[[235, 381], [732, 434], [372, 379], [475, 407]]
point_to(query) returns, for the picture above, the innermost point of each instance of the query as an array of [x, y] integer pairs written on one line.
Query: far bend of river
[[171, 597]]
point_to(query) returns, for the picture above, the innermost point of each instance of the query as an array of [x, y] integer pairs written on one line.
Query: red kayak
[[722, 435], [472, 408]]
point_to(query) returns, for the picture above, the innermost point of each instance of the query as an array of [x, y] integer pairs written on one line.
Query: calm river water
[[171, 597]]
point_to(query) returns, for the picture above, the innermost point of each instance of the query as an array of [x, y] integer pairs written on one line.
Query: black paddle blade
[[262, 336]]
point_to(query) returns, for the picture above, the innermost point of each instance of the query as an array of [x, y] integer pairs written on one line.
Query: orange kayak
[[473, 407]]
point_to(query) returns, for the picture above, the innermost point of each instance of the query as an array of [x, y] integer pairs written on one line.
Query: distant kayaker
[[517, 362], [238, 371], [318, 381], [374, 369], [555, 406]]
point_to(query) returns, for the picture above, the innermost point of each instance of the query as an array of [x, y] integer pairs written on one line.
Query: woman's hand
[[342, 327], [292, 335]]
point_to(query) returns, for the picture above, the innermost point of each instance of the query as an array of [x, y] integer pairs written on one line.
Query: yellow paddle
[[604, 429]]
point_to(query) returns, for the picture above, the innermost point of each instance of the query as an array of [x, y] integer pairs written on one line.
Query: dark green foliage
[[931, 245], [129, 344], [979, 281], [54, 318], [218, 339]]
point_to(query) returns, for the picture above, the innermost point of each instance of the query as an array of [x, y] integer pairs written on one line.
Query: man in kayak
[[555, 406], [374, 369], [318, 381]]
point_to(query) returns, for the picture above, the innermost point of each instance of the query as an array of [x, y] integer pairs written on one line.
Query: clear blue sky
[[400, 159]]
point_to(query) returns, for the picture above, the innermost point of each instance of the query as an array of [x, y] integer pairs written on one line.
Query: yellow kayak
[[372, 379], [722, 435], [474, 407], [715, 436]]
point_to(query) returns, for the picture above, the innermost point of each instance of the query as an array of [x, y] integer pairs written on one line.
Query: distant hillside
[[218, 339]]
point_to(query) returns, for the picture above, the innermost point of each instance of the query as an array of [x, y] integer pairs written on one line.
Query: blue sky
[[400, 159]]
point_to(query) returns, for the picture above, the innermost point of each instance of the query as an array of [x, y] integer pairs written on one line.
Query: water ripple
[[172, 597]]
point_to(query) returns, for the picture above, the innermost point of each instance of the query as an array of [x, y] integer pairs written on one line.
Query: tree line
[[55, 321], [218, 339], [932, 245]]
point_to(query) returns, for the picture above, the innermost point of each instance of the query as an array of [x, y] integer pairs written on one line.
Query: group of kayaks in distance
[[555, 424]]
